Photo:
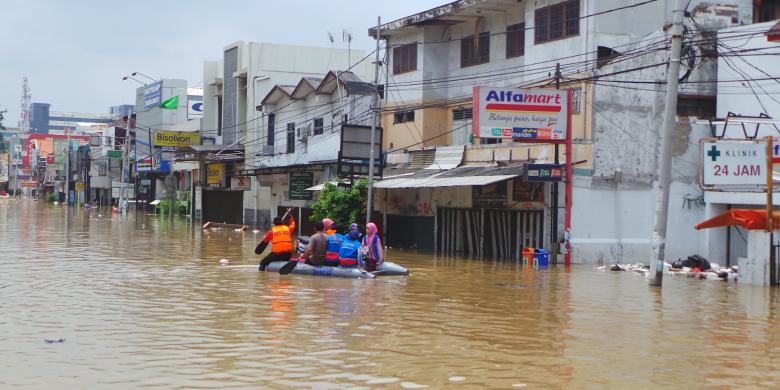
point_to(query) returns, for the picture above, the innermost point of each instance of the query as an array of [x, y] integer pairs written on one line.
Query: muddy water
[[142, 303]]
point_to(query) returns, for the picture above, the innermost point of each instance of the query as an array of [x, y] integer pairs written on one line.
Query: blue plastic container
[[542, 257]]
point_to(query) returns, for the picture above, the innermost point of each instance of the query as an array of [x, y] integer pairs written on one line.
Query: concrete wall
[[614, 209]]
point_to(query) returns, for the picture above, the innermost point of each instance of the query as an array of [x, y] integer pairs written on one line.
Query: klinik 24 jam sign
[[533, 115]]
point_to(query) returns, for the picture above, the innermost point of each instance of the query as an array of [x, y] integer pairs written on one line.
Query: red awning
[[773, 35], [748, 219]]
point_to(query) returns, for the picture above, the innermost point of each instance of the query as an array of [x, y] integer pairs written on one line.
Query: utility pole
[[665, 174], [555, 187], [125, 163], [67, 170], [374, 114]]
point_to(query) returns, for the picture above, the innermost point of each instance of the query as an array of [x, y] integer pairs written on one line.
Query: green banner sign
[[299, 182]]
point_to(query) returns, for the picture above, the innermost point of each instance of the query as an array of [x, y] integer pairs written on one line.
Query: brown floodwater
[[141, 302]]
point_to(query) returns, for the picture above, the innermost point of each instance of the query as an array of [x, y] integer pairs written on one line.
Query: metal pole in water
[[665, 174]]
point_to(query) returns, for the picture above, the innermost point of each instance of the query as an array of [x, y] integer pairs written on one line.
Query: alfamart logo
[[507, 101]]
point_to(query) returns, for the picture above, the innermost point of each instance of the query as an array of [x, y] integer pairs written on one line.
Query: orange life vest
[[282, 239]]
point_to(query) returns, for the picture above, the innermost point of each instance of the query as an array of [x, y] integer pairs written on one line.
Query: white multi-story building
[[233, 90], [438, 56]]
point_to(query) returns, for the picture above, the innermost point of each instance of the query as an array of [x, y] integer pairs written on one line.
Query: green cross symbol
[[714, 153]]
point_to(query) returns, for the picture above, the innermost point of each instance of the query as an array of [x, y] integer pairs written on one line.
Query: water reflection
[[142, 302]]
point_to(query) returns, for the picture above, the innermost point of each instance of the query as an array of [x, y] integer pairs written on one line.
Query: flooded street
[[141, 302]]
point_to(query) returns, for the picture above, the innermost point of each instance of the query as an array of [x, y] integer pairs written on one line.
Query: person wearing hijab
[[328, 223], [372, 244]]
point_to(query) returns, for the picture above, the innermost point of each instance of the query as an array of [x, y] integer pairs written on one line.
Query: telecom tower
[[26, 115]]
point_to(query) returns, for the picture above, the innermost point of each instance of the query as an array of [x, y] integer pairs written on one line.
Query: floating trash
[[457, 379], [224, 262], [54, 341]]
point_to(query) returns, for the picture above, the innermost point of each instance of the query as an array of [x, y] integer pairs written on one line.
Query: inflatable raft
[[386, 269]]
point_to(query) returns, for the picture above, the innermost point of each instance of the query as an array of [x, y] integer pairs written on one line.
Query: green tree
[[341, 205]]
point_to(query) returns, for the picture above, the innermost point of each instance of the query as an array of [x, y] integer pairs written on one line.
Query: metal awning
[[433, 182], [319, 187], [469, 175]]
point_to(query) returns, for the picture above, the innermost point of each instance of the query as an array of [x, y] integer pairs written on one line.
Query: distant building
[[45, 121]]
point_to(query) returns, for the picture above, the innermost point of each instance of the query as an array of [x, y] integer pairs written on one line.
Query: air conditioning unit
[[266, 150]]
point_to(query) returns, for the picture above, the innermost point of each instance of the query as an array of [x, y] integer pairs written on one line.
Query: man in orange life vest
[[280, 237]]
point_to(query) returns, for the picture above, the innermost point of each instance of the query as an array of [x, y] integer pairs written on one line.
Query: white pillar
[[715, 239], [754, 270]]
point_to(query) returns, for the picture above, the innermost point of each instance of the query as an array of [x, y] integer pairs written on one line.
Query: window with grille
[[557, 21], [515, 40], [271, 125], [291, 137], [461, 114], [405, 58], [319, 126], [475, 51], [403, 117]]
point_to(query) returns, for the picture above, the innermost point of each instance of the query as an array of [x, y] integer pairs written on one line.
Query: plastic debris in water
[[224, 262], [412, 385], [54, 341], [256, 231], [457, 379]]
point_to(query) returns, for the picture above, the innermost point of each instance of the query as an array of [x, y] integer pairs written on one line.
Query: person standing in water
[[373, 255]]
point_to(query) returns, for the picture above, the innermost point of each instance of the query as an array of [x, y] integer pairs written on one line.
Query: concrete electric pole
[[374, 116], [665, 173]]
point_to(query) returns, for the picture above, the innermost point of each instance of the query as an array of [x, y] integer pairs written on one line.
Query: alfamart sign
[[521, 114]]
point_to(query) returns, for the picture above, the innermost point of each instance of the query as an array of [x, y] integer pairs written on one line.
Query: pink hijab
[[327, 222], [371, 232]]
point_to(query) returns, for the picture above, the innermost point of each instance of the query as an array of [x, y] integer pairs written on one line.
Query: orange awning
[[747, 218]]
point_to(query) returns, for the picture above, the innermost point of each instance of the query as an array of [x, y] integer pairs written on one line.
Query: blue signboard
[[543, 172], [152, 95]]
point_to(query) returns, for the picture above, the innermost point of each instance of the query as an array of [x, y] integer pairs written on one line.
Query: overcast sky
[[76, 52]]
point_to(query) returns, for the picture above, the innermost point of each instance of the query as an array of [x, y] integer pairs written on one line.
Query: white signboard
[[194, 107], [241, 183], [152, 95], [521, 114], [734, 163]]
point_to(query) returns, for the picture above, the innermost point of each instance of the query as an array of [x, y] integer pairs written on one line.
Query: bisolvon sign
[[176, 138]]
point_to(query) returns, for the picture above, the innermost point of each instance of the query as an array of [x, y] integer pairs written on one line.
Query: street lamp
[[139, 73], [134, 79]]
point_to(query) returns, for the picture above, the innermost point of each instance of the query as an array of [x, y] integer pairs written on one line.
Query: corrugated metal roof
[[462, 176], [447, 157], [433, 182]]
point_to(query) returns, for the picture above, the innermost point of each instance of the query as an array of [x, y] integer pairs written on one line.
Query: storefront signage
[[523, 191], [115, 154], [152, 95], [299, 182], [543, 172], [215, 175], [175, 138], [241, 183], [533, 115], [734, 163], [489, 196], [194, 107], [81, 186]]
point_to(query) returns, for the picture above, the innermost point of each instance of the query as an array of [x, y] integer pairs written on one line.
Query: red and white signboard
[[734, 163], [241, 183], [532, 115]]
